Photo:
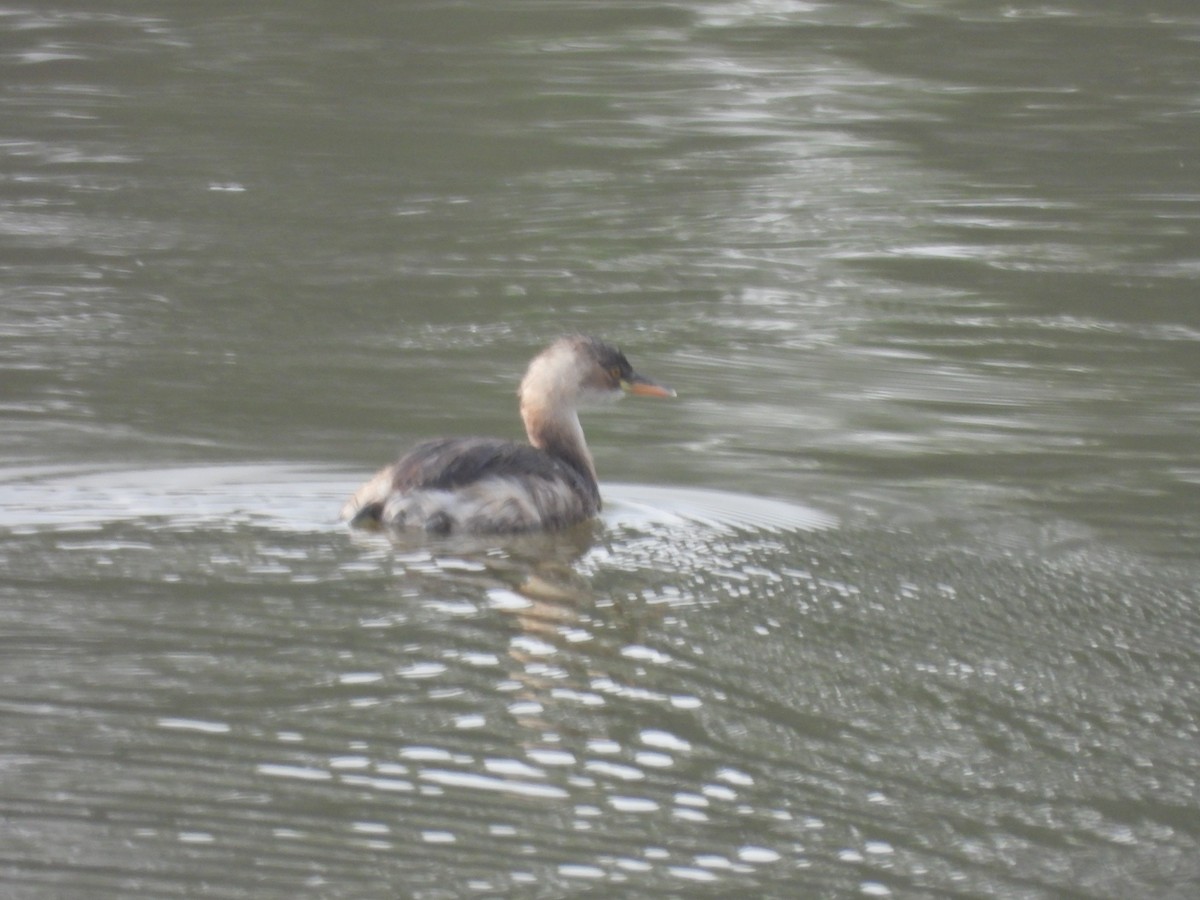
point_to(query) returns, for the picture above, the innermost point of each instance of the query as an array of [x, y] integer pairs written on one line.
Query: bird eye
[[615, 372]]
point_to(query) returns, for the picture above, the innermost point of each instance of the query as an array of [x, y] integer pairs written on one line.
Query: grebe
[[479, 485]]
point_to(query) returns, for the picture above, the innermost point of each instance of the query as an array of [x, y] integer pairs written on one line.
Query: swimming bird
[[481, 485]]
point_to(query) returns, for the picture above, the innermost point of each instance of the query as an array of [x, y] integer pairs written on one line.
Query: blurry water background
[[898, 598]]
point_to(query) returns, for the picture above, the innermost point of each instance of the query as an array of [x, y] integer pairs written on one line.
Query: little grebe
[[490, 485]]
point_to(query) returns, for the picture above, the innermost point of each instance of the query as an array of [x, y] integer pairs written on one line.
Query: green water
[[898, 597]]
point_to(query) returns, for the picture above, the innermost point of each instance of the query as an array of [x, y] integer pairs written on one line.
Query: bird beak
[[644, 387]]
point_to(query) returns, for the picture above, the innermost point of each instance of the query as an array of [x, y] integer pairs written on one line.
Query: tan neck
[[560, 434]]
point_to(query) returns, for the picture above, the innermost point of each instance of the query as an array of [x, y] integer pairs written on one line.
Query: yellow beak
[[644, 387]]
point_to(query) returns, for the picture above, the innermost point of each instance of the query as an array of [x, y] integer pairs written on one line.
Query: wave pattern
[[671, 702]]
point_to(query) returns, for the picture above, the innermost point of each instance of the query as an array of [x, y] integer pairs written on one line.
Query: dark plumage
[[448, 464]]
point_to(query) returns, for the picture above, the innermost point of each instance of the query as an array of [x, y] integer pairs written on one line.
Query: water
[[897, 598]]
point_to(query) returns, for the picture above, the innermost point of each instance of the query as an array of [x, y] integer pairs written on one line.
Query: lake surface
[[898, 597]]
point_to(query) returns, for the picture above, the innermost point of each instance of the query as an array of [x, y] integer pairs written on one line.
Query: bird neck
[[559, 433]]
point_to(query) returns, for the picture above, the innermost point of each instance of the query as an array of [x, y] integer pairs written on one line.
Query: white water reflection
[[644, 506], [301, 500]]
